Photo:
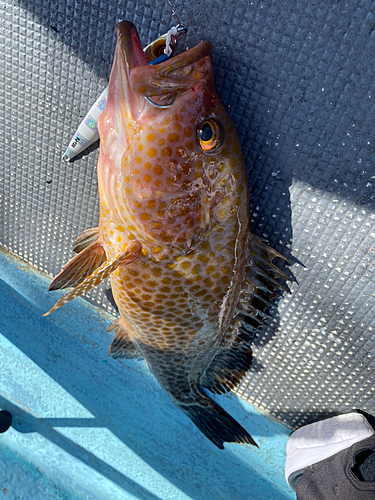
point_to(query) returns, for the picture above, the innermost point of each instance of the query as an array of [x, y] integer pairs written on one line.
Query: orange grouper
[[189, 279]]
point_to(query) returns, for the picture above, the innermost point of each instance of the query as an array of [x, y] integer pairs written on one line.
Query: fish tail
[[215, 423]]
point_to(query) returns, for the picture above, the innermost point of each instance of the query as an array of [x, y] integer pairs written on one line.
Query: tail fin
[[215, 423]]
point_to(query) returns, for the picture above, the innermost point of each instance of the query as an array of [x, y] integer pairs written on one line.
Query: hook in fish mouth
[[160, 106], [158, 84]]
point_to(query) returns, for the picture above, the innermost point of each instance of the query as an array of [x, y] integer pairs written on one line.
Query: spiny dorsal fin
[[81, 266], [122, 347], [259, 287], [86, 238], [100, 274], [261, 283]]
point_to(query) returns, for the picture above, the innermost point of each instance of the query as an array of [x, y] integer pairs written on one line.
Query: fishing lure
[[87, 133]]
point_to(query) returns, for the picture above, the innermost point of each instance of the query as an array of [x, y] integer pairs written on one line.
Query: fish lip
[[161, 82], [176, 75], [130, 44]]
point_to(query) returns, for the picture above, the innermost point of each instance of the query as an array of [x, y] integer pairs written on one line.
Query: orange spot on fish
[[145, 216], [173, 137], [166, 152], [151, 152], [203, 258], [150, 137], [208, 282], [147, 178], [236, 148], [157, 170], [186, 168]]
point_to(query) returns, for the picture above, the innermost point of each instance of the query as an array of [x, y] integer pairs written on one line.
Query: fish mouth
[[162, 82]]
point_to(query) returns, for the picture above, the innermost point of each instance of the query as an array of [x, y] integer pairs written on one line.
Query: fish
[[191, 282]]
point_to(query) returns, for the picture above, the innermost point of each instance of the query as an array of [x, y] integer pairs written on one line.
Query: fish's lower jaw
[[214, 422]]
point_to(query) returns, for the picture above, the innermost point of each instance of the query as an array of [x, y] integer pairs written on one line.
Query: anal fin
[[122, 347], [80, 267], [100, 274]]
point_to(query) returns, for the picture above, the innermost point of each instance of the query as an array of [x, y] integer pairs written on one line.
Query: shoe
[[315, 443]]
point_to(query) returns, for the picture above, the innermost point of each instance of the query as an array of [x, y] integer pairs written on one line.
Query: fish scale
[[191, 282]]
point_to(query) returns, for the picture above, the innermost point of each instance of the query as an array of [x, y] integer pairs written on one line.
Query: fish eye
[[210, 135]]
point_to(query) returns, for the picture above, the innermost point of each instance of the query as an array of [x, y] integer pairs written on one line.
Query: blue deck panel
[[88, 427]]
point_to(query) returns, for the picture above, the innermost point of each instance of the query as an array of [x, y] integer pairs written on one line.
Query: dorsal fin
[[122, 346], [261, 284], [82, 265], [100, 274], [260, 287], [87, 237]]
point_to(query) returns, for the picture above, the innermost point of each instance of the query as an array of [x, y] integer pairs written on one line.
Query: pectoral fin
[[86, 238], [81, 266], [100, 274]]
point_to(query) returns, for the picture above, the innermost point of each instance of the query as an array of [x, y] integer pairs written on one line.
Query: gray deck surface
[[298, 79]]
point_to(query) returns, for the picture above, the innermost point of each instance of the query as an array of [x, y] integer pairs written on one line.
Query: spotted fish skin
[[173, 181]]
